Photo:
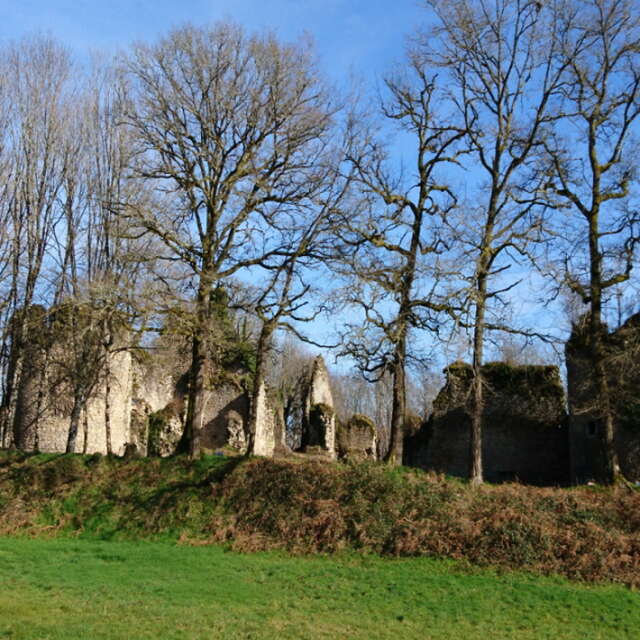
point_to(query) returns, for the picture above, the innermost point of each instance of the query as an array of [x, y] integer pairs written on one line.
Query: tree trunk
[[107, 401], [612, 472], [13, 377], [476, 475], [475, 447], [3, 426], [85, 431], [10, 337], [195, 407], [399, 403], [74, 423], [398, 412], [6, 412], [191, 441], [42, 381]]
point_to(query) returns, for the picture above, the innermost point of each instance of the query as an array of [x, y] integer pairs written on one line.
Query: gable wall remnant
[[269, 436], [319, 423]]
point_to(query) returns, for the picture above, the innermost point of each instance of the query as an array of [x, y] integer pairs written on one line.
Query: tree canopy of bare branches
[[234, 131], [591, 168]]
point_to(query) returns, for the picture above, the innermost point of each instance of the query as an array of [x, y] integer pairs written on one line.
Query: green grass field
[[68, 589]]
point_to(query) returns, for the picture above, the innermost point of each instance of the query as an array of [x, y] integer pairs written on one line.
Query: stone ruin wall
[[623, 367], [131, 390], [265, 435], [41, 414], [147, 407], [519, 437], [269, 436], [140, 392], [54, 424], [319, 425], [357, 439], [225, 407], [525, 434], [524, 426], [148, 395]]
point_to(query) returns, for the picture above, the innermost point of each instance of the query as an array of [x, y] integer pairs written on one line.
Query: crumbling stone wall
[[147, 399], [357, 439], [319, 423], [120, 402], [226, 411], [524, 425], [55, 407], [225, 418], [585, 430], [44, 396], [269, 437], [44, 392], [159, 391], [148, 394], [163, 429]]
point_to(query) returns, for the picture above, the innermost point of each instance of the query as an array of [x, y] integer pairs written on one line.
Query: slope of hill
[[587, 533]]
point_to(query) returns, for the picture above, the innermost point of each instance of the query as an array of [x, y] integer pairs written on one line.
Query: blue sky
[[362, 35]]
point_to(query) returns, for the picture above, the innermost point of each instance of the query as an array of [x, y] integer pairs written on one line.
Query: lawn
[[70, 588]]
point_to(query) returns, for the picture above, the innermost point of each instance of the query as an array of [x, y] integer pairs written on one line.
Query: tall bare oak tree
[[232, 128]]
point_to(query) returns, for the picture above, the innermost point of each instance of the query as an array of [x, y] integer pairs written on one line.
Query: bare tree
[[96, 266], [392, 247], [593, 157], [38, 77], [6, 233], [5, 178], [499, 60], [116, 265], [231, 128], [283, 301]]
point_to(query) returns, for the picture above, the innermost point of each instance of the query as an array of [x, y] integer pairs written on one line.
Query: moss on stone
[[520, 379], [360, 421], [530, 391], [158, 424], [320, 410], [524, 379]]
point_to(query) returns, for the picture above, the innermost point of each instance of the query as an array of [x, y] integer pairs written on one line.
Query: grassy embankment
[[79, 585]]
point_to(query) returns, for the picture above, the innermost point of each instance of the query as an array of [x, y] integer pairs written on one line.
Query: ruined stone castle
[[138, 401], [532, 430], [524, 430]]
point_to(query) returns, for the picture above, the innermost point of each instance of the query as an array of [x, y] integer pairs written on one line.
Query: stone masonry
[[356, 439], [524, 426], [585, 431], [319, 421]]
